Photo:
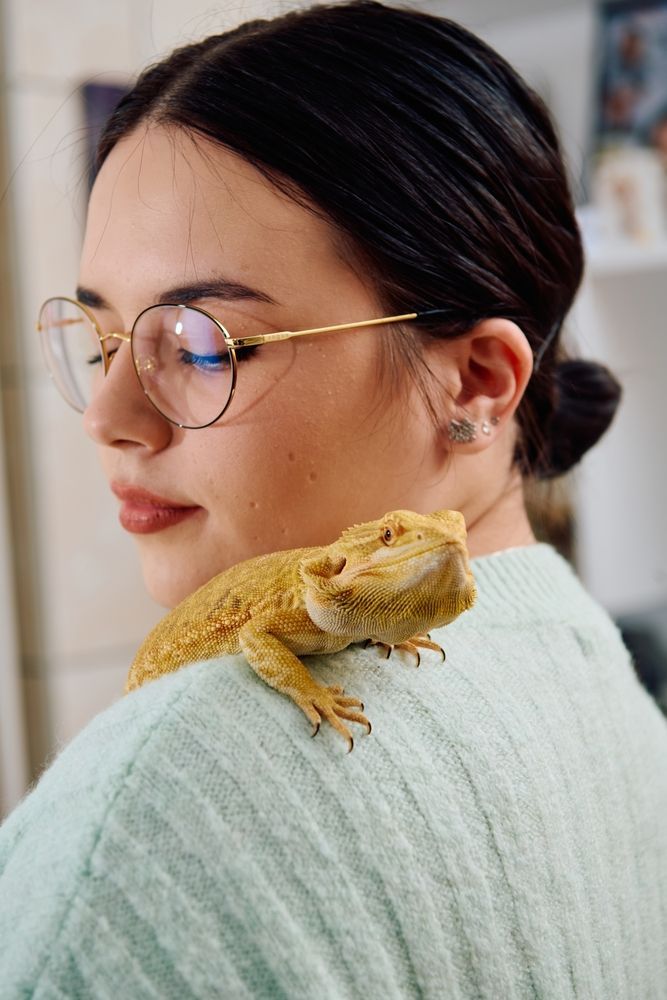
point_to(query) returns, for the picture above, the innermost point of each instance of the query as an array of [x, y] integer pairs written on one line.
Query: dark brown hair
[[435, 161]]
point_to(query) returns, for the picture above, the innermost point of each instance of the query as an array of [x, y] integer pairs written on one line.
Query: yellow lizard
[[387, 582]]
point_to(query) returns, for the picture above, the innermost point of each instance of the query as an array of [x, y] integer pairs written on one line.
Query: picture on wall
[[99, 100], [630, 103]]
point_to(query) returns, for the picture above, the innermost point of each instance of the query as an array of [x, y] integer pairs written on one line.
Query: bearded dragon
[[386, 582]]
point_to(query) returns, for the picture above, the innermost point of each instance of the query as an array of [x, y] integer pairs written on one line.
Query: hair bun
[[586, 398]]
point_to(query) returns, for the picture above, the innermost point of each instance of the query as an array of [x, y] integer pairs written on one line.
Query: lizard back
[[207, 622]]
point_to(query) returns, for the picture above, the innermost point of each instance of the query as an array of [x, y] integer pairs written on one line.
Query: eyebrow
[[217, 288]]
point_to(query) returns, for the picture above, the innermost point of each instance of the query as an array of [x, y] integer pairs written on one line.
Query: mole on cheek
[[253, 503], [290, 456], [312, 476]]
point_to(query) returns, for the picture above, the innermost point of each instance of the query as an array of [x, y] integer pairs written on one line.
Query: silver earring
[[486, 427], [462, 430]]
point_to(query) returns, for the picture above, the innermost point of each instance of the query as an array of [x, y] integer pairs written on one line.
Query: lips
[[143, 513]]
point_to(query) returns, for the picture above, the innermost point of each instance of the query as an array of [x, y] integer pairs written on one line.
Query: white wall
[[621, 486], [13, 746]]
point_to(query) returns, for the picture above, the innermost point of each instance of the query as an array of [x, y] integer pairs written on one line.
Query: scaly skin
[[387, 582]]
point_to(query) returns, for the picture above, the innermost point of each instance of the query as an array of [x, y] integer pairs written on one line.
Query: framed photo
[[630, 105], [99, 100]]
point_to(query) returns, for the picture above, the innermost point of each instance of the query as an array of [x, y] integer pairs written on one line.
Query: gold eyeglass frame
[[232, 343]]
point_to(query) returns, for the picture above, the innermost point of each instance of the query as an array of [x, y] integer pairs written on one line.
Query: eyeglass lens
[[179, 353], [72, 351]]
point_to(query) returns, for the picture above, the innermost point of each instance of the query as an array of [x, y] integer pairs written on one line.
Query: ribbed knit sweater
[[502, 832]]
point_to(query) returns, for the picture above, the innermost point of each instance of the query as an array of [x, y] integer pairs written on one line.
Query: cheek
[[292, 423], [311, 443], [312, 393]]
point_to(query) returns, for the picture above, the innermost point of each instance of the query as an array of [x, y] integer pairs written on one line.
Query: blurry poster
[[99, 100], [631, 85]]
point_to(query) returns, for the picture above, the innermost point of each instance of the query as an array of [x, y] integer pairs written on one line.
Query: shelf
[[616, 260]]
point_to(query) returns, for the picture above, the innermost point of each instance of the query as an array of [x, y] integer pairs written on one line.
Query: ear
[[487, 372]]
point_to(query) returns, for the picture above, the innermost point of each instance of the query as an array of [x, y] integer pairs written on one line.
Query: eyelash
[[242, 354], [205, 362], [211, 362]]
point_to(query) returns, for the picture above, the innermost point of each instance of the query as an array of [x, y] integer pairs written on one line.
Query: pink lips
[[143, 513]]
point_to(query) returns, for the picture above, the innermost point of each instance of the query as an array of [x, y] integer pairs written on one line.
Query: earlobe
[[466, 430]]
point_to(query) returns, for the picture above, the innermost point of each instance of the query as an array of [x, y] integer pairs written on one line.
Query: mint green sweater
[[501, 834]]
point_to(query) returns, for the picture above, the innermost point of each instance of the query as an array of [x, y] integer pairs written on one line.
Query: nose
[[120, 414]]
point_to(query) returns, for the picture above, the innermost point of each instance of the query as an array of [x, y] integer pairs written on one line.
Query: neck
[[500, 523]]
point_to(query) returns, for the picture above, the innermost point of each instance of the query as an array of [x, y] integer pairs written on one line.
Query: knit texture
[[501, 834]]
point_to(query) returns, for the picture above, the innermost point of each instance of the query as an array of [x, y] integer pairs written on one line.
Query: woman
[[500, 832]]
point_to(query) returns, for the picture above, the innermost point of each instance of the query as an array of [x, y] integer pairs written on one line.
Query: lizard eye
[[387, 535]]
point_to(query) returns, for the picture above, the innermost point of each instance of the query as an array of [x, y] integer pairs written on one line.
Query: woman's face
[[311, 442]]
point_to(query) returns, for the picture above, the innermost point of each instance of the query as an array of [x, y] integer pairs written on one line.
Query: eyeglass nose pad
[[125, 338], [117, 335]]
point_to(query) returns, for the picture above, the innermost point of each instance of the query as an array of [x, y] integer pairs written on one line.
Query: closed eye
[[205, 362], [218, 361]]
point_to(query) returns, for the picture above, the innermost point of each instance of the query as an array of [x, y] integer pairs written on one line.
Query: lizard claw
[[410, 645], [332, 704], [425, 642]]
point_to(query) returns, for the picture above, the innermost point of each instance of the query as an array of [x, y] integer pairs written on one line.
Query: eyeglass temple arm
[[65, 321], [266, 338]]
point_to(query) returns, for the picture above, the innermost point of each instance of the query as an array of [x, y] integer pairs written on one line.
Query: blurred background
[[72, 605]]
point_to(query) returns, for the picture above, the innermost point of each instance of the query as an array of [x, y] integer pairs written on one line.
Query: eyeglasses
[[184, 358]]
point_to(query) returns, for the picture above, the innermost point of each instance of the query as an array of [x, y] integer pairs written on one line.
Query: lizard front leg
[[279, 667]]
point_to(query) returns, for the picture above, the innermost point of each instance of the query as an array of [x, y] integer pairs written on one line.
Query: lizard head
[[392, 578]]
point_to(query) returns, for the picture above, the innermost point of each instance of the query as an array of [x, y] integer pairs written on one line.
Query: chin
[[167, 586]]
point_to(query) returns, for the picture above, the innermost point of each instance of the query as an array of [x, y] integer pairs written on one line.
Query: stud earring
[[462, 430], [486, 427]]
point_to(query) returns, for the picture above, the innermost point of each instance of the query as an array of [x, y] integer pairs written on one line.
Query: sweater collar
[[527, 583]]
